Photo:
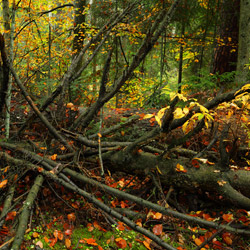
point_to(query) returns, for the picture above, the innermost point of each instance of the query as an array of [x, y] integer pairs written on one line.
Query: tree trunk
[[244, 43], [225, 57]]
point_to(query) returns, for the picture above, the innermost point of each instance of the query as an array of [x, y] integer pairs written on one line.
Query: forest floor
[[65, 220]]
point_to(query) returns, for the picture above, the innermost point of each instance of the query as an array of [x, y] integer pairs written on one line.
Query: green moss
[[105, 239]]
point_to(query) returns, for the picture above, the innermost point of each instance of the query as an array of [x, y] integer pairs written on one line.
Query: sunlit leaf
[[53, 157], [3, 183], [221, 182], [180, 168], [146, 244], [158, 120], [178, 113], [148, 116], [157, 216], [70, 105]]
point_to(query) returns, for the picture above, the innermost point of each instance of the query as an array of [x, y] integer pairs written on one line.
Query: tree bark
[[244, 43]]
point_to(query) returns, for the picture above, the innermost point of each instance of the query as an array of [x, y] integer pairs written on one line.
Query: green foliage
[[207, 81]]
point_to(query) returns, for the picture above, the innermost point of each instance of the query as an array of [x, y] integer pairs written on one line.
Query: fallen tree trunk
[[230, 183]]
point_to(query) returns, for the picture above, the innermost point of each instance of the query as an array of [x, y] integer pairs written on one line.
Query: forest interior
[[125, 124]]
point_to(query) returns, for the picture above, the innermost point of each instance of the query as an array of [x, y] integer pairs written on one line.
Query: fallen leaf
[[70, 105], [158, 216], [146, 244], [227, 217], [46, 239], [180, 168], [71, 217], [53, 157], [10, 216], [157, 229], [67, 243], [91, 241], [68, 232], [227, 237], [3, 183], [120, 226], [221, 182], [35, 235], [40, 244], [90, 227], [197, 241], [53, 242], [121, 243]]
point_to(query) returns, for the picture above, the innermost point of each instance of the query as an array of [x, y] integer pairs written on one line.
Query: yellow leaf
[[161, 112], [178, 113], [229, 114], [222, 182], [244, 118], [148, 116], [180, 168], [185, 110], [245, 87], [209, 117], [158, 170], [185, 127], [181, 97], [158, 120], [203, 109]]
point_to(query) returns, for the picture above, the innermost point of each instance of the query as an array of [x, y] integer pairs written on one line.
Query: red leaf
[[217, 244], [53, 242], [157, 229], [195, 163], [120, 226], [227, 217], [227, 237], [10, 216], [91, 241]]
